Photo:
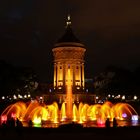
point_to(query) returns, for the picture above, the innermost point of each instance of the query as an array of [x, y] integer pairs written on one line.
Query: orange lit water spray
[[69, 97], [96, 113]]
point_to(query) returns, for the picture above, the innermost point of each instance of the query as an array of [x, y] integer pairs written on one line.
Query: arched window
[[68, 66]]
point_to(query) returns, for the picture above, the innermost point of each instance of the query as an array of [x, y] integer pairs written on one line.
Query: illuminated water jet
[[83, 113]]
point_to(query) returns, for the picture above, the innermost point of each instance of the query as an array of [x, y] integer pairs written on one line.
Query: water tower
[[69, 62]]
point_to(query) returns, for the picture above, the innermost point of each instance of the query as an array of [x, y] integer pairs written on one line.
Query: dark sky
[[110, 30]]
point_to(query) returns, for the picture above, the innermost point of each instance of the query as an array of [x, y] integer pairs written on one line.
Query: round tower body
[[69, 66]]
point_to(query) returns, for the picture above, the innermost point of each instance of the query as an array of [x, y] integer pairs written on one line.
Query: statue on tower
[[68, 23]]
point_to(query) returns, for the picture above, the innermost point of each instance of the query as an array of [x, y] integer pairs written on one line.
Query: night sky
[[110, 30]]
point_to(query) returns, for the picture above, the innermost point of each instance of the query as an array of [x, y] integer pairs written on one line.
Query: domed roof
[[68, 35]]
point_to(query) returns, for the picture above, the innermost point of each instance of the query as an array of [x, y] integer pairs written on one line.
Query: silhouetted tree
[[16, 80]]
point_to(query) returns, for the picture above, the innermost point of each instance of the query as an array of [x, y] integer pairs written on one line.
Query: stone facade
[[69, 56]]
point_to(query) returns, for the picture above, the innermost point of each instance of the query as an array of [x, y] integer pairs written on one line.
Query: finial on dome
[[68, 22]]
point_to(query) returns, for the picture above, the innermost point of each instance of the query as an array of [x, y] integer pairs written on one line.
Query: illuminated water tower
[[69, 62]]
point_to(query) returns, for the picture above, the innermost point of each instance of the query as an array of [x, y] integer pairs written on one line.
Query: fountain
[[82, 114]]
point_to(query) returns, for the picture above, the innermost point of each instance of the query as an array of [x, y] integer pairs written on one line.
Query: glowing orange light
[[83, 113]]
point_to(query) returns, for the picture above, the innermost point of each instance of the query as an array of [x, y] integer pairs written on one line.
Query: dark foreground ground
[[120, 133]]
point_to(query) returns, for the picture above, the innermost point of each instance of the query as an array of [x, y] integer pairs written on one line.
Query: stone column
[[83, 76], [64, 77], [54, 75], [74, 69], [80, 75], [57, 74]]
